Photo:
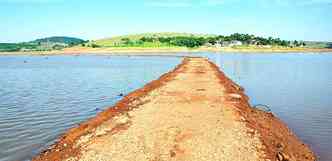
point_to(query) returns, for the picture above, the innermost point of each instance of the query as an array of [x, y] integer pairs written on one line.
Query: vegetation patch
[[157, 40]]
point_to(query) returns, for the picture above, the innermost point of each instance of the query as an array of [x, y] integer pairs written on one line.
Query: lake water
[[41, 97], [297, 88]]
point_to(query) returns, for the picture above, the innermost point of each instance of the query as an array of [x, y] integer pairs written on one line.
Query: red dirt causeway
[[191, 113]]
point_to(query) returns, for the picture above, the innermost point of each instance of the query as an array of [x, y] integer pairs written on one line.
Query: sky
[[25, 20]]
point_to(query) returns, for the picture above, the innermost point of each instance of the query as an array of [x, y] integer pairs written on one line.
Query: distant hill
[[134, 37], [173, 39], [60, 39], [43, 44]]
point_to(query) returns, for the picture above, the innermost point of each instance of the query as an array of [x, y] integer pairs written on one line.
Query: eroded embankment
[[191, 113]]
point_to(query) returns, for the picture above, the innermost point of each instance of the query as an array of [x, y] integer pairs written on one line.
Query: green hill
[[115, 41], [60, 39], [173, 39], [44, 44]]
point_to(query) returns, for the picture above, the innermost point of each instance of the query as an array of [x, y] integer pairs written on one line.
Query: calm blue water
[[297, 87], [41, 97]]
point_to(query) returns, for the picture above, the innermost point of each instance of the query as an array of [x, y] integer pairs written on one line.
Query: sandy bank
[[191, 113]]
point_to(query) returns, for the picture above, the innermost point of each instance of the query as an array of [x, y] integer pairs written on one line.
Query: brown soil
[[191, 113]]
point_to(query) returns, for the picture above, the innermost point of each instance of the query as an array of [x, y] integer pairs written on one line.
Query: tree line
[[197, 41]]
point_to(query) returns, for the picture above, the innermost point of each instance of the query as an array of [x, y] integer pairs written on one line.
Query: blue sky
[[24, 20]]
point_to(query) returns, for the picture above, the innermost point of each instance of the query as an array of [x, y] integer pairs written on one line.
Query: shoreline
[[265, 135], [165, 51]]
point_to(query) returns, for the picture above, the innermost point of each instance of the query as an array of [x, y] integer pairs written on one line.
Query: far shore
[[162, 51]]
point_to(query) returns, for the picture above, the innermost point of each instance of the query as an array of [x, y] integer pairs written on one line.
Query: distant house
[[235, 43], [229, 43], [225, 43], [218, 44]]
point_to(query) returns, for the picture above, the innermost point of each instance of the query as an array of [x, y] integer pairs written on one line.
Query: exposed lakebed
[[42, 96]]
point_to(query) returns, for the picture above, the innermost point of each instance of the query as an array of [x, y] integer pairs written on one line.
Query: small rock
[[122, 120], [235, 95]]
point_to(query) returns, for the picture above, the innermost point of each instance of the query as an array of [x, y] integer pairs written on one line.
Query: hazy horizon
[[26, 20]]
